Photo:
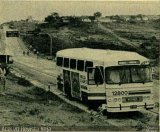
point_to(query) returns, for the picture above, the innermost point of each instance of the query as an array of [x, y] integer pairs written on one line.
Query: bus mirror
[[152, 63], [11, 62], [145, 63]]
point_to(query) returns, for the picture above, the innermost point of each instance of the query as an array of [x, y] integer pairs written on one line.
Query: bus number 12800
[[116, 93]]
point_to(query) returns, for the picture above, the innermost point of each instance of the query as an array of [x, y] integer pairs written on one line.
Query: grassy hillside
[[88, 35], [146, 37]]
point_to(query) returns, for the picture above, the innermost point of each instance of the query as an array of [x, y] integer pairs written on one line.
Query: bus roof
[[105, 56]]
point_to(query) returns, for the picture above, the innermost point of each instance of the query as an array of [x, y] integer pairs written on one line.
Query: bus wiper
[[122, 78], [142, 80]]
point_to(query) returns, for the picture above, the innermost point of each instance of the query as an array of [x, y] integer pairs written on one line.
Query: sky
[[17, 10]]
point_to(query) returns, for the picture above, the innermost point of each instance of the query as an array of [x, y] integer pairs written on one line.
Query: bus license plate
[[133, 106]]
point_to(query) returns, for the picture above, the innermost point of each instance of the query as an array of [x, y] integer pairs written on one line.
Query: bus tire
[[67, 90], [84, 98]]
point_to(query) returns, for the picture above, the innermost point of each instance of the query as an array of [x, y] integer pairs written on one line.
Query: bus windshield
[[128, 74]]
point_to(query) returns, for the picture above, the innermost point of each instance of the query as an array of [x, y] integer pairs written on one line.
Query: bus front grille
[[139, 92], [132, 99]]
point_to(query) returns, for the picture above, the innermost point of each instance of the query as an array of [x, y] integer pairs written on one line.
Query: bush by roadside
[[24, 82]]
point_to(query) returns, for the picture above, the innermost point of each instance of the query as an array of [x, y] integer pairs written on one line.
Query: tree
[[92, 18], [49, 19], [132, 17], [55, 14], [97, 14], [117, 18], [75, 21], [54, 19], [140, 16]]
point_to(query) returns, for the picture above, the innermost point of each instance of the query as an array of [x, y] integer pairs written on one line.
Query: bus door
[[96, 85], [75, 85], [67, 82]]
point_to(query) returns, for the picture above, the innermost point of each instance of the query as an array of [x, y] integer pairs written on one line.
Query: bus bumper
[[122, 108]]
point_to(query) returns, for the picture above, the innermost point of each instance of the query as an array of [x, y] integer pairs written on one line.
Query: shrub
[[139, 126], [24, 82], [34, 111]]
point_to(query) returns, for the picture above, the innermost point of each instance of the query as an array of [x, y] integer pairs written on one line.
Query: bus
[[119, 81], [6, 61]]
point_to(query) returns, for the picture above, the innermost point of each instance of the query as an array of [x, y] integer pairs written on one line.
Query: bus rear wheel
[[67, 90], [84, 98]]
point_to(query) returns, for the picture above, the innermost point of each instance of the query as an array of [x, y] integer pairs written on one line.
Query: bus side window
[[73, 63], [66, 62], [59, 61], [88, 64], [80, 65]]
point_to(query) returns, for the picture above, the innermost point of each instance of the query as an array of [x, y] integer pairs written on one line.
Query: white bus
[[120, 80]]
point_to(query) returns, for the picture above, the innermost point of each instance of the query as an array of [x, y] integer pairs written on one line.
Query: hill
[[140, 36]]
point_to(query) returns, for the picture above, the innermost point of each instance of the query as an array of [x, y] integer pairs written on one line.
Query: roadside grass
[[22, 81], [34, 93]]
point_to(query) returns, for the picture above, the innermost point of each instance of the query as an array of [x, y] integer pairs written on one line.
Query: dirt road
[[123, 40]]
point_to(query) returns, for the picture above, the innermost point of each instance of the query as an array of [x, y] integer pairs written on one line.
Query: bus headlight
[[117, 99], [114, 100], [109, 100]]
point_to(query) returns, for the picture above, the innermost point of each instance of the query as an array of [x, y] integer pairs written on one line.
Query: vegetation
[[24, 82], [83, 31], [97, 14], [151, 47]]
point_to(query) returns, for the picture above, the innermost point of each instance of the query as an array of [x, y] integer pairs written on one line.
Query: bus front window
[[127, 74]]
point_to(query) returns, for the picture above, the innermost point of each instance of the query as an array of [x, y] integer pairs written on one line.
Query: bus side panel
[[75, 85]]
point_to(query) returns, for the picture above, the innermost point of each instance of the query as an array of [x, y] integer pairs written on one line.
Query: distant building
[[29, 19], [153, 17], [117, 18], [138, 18], [86, 19], [104, 19], [65, 19], [145, 18]]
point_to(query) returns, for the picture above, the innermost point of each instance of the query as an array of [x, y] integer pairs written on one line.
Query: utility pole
[[51, 46]]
